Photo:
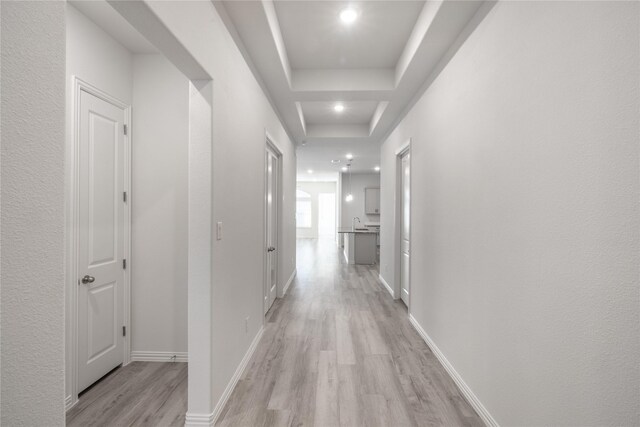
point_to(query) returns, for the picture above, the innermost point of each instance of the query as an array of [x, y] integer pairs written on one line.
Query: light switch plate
[[219, 230]]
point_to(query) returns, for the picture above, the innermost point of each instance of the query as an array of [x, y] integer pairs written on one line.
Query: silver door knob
[[88, 279]]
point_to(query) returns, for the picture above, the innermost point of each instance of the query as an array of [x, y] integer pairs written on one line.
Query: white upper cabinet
[[372, 201]]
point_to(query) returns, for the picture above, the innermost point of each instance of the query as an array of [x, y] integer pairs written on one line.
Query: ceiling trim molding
[[347, 80], [338, 131], [301, 116], [375, 119], [276, 33], [229, 24], [425, 19]]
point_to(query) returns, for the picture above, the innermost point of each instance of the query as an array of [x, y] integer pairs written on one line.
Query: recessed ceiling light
[[348, 16], [377, 169], [349, 156], [338, 108], [335, 161], [309, 171], [344, 168]]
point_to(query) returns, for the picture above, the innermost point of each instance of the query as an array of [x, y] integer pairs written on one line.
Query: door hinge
[[124, 196], [125, 129], [124, 331], [124, 264]]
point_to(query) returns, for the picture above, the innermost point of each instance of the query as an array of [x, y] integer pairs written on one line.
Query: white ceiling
[[318, 157], [322, 112], [314, 37], [106, 17], [304, 176], [307, 60]]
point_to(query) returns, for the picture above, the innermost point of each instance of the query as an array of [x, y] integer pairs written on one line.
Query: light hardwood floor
[[140, 394], [337, 351]]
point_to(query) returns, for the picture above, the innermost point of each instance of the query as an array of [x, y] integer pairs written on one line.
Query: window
[[303, 214], [303, 209], [302, 194]]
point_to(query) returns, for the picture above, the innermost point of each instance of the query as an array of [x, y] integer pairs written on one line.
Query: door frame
[[397, 222], [72, 233], [271, 145]]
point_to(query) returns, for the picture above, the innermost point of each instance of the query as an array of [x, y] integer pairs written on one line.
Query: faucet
[[353, 223]]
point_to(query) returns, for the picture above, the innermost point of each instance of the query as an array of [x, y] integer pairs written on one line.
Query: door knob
[[88, 279], [271, 249]]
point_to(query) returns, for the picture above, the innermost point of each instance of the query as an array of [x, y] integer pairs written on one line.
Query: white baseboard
[[289, 282], [69, 402], [386, 285], [464, 388], [236, 376], [159, 356], [197, 420]]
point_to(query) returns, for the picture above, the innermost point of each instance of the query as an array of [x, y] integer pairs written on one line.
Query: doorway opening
[[137, 213], [327, 215], [316, 209]]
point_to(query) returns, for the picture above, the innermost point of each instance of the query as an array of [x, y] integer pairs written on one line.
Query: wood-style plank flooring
[[140, 394], [339, 351]]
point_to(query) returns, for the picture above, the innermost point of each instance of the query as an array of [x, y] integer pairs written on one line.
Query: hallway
[[337, 350], [171, 188]]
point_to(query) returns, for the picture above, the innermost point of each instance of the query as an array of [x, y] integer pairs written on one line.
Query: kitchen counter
[[357, 230], [359, 245]]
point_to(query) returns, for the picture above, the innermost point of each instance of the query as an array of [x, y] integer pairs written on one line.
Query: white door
[[405, 228], [101, 239], [272, 229]]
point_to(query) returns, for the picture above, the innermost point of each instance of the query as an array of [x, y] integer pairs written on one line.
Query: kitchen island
[[360, 245]]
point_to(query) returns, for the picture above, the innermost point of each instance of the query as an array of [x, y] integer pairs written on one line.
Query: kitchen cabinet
[[360, 246], [372, 201]]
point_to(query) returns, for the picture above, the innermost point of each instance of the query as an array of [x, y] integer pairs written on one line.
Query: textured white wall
[[525, 231], [359, 181], [241, 114], [315, 189], [32, 218], [159, 202]]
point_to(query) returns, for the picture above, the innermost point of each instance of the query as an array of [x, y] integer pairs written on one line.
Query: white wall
[[525, 231], [314, 189], [359, 181], [159, 202], [241, 116], [32, 213], [96, 58]]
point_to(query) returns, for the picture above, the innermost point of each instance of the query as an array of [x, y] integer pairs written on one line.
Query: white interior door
[[405, 229], [272, 229], [100, 239]]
